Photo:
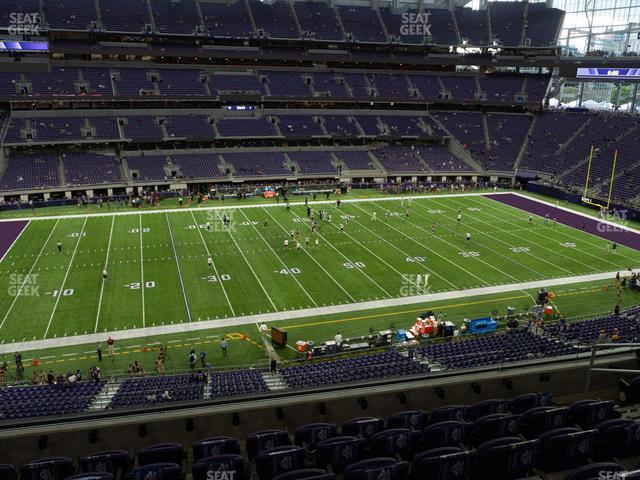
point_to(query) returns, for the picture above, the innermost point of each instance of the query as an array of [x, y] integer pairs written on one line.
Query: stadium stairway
[[525, 143], [275, 383], [103, 399]]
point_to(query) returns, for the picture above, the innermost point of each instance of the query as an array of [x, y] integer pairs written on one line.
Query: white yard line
[[460, 267], [280, 259], [255, 205], [460, 249], [508, 232], [175, 254], [526, 267], [307, 312], [142, 289], [64, 280], [106, 264], [560, 231], [15, 240], [315, 261], [433, 272], [347, 258], [215, 269], [249, 265], [26, 279]]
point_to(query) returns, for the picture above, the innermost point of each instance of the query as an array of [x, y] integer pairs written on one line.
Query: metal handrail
[[601, 346]]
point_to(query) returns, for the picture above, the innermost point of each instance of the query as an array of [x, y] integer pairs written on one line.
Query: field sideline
[[158, 273]]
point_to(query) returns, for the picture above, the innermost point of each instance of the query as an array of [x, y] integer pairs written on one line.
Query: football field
[[158, 272]]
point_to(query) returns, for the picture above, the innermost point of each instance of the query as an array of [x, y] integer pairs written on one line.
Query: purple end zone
[[9, 232], [591, 225]]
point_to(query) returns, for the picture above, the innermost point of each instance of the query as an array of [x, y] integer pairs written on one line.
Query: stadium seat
[[505, 458], [339, 452], [629, 391], [364, 427], [448, 433], [413, 419], [449, 412], [495, 425], [161, 453], [256, 442], [166, 471], [564, 448], [374, 468], [214, 446], [275, 461], [116, 462], [8, 472], [595, 471], [228, 462], [487, 407], [92, 476], [392, 443], [306, 474], [446, 463], [527, 401], [617, 438], [588, 413], [52, 468], [309, 435], [540, 419]]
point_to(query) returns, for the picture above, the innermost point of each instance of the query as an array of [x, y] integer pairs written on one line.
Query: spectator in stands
[[50, 378], [273, 366], [602, 336], [615, 336]]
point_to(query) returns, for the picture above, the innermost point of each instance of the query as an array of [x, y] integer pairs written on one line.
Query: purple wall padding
[[591, 225], [9, 232]]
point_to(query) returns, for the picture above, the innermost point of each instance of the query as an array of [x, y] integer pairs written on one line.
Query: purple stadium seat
[[564, 448], [588, 413], [265, 440], [527, 401], [227, 462], [165, 471], [116, 462], [540, 419], [458, 413], [215, 446], [448, 433], [380, 467], [446, 463], [617, 438], [278, 460], [339, 452], [160, 453], [595, 471], [306, 474], [395, 442], [495, 425], [52, 468], [308, 436], [505, 458], [363, 427], [92, 476], [8, 472]]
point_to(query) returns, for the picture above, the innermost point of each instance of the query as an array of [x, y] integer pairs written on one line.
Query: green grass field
[[158, 272]]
